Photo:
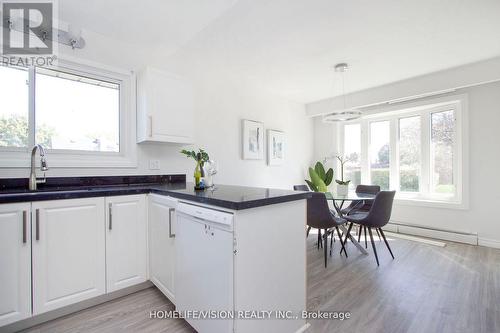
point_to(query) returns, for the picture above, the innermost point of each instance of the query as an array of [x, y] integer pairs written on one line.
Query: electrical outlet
[[154, 165]]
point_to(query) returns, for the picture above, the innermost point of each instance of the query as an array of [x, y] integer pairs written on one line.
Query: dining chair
[[377, 217], [319, 216], [362, 206], [306, 188], [300, 188]]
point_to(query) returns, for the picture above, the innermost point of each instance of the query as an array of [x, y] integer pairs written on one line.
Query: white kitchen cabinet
[[165, 111], [162, 221], [15, 262], [126, 241], [68, 252]]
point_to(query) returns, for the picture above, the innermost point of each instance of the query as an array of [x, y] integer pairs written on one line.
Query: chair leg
[[320, 242], [346, 236], [325, 246], [366, 240], [379, 239], [373, 245], [386, 243], [341, 244], [331, 242], [360, 228], [308, 231]]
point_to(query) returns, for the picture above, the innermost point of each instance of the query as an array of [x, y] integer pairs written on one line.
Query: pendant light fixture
[[345, 114]]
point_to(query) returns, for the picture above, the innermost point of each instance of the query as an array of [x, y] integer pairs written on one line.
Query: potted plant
[[200, 157], [342, 185], [319, 178]]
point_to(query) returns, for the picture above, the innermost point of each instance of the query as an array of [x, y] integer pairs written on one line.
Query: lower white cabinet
[[162, 219], [60, 252], [15, 262], [126, 241], [68, 252]]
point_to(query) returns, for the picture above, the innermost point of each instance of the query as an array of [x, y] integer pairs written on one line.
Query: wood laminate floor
[[425, 289]]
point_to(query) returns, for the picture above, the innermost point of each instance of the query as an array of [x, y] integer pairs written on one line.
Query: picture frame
[[253, 140], [275, 147]]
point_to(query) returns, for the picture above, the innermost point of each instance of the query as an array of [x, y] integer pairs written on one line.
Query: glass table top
[[351, 196]]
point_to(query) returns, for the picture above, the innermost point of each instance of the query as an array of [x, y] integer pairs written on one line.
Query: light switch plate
[[154, 165]]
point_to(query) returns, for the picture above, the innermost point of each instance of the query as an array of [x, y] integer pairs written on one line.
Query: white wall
[[484, 137], [221, 101]]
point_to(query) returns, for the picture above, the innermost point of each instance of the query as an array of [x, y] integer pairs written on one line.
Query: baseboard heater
[[398, 227]]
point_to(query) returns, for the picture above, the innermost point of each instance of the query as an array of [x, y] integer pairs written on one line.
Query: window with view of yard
[[14, 109], [380, 154], [409, 153], [442, 143], [416, 151], [352, 150], [59, 110]]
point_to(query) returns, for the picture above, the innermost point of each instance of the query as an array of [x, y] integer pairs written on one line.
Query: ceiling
[[290, 46], [146, 23]]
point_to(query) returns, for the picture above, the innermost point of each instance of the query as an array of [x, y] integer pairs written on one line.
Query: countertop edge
[[107, 192]]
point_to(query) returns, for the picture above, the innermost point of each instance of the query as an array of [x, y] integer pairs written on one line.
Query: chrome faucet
[[43, 166]]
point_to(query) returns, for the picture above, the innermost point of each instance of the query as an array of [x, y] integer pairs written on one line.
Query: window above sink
[[82, 115]]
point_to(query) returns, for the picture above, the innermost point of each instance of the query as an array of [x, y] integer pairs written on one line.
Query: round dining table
[[339, 201]]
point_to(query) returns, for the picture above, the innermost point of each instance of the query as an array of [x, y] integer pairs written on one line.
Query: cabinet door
[[126, 241], [165, 107], [68, 252], [162, 219], [15, 263], [173, 114]]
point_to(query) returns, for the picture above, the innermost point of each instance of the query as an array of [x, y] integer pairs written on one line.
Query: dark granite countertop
[[227, 196]]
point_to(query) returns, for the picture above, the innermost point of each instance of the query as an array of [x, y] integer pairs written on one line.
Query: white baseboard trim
[[489, 242], [391, 227], [433, 233], [424, 240]]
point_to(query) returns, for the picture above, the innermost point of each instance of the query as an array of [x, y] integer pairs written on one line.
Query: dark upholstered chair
[[306, 188], [300, 188], [319, 216], [378, 216], [360, 205]]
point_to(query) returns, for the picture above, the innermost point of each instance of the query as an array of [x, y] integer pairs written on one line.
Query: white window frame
[[423, 108], [12, 157]]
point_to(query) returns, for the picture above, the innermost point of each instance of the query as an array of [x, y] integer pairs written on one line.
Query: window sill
[[461, 205], [21, 159]]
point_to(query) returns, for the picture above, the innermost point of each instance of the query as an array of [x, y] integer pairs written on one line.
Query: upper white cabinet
[[126, 241], [68, 252], [162, 222], [165, 111], [15, 262]]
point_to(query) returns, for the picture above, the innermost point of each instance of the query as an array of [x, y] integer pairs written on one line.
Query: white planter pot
[[342, 189]]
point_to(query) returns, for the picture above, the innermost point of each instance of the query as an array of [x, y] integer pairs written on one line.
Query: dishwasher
[[204, 267]]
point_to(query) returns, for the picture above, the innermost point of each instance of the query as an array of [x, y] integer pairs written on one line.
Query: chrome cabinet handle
[[25, 220], [110, 216], [170, 234], [150, 126], [37, 224]]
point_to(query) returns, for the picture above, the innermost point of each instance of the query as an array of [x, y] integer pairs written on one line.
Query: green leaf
[[311, 185], [318, 182], [329, 177], [342, 182], [320, 170]]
